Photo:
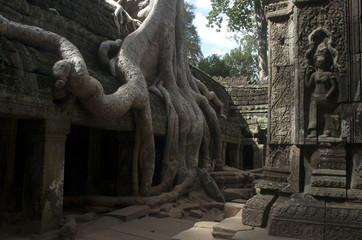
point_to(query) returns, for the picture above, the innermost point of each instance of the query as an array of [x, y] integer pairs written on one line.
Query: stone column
[[257, 155], [281, 171], [44, 174]]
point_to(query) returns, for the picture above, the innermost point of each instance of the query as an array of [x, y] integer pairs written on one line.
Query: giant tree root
[[153, 55]]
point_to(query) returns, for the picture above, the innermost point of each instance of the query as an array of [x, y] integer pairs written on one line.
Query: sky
[[212, 42]]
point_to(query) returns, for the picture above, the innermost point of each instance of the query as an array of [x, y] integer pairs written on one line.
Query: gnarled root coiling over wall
[[153, 55]]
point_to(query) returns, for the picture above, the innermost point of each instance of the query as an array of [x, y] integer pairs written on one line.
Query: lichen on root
[[152, 56]]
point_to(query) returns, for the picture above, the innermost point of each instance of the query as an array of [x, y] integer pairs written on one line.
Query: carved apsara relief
[[321, 82]]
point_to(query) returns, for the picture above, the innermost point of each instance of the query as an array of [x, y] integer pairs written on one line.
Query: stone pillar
[[257, 155], [281, 171], [44, 174]]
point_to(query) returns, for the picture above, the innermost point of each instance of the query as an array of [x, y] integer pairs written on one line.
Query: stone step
[[200, 231], [229, 227], [232, 209], [129, 213]]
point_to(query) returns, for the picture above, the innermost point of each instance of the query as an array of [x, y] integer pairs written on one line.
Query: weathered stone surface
[[195, 233], [343, 221], [301, 217], [256, 209], [328, 172], [314, 120], [131, 212]]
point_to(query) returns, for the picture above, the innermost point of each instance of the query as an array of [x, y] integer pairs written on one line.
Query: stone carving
[[302, 216], [275, 10], [279, 158], [358, 124], [328, 173], [320, 77], [281, 171], [281, 85], [355, 191], [255, 211], [343, 221], [356, 181]]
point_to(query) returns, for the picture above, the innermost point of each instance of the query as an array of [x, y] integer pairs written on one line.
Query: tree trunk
[[261, 28]]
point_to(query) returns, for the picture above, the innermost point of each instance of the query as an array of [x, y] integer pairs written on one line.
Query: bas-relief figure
[[321, 79]]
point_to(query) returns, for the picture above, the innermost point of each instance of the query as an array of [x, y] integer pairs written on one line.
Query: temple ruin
[[66, 66]]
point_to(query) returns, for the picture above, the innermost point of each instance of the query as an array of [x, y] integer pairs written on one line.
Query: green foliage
[[240, 14], [214, 65], [194, 53], [243, 59], [241, 18]]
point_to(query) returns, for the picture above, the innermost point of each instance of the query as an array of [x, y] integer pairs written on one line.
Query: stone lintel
[[278, 10]]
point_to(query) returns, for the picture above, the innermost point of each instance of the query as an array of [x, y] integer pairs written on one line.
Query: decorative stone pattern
[[328, 178], [281, 84], [282, 169], [355, 191], [331, 167], [255, 211], [280, 9], [343, 221], [310, 18], [302, 218]]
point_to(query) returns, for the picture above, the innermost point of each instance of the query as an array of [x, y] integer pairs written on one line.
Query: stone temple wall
[[311, 183], [250, 99], [251, 102]]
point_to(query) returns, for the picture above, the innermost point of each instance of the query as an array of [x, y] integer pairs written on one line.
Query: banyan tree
[[151, 58]]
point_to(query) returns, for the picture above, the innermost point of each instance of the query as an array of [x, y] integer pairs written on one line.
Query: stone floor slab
[[257, 234], [154, 228], [228, 227], [110, 235], [132, 212]]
